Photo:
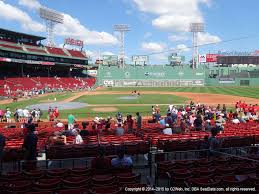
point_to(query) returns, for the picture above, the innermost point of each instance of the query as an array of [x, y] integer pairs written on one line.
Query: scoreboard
[[238, 60]]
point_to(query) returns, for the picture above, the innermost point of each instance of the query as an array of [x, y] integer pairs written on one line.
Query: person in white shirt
[[167, 130], [8, 115], [78, 139], [26, 114]]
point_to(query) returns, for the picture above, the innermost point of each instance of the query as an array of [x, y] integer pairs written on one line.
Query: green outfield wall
[[150, 76], [168, 76]]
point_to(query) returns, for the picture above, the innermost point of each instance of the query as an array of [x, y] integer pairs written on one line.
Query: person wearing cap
[[208, 125]]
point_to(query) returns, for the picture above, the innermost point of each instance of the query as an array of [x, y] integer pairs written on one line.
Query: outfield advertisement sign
[[92, 73], [152, 83], [227, 80], [140, 58]]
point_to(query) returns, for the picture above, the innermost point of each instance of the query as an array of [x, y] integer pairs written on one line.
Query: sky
[[156, 26]]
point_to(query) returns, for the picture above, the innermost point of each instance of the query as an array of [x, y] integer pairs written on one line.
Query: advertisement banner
[[202, 58], [139, 58], [211, 58], [92, 72]]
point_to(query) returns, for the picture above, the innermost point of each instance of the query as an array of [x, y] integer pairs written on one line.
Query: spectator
[[8, 115], [205, 145], [101, 162], [1, 115], [16, 117], [2, 145], [119, 130], [121, 161], [78, 138], [84, 132], [30, 143], [208, 125], [198, 123], [71, 121], [139, 121], [129, 122], [167, 130], [214, 142]]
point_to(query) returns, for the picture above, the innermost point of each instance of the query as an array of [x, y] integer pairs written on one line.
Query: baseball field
[[108, 101]]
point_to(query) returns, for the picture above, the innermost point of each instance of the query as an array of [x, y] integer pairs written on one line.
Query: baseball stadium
[[69, 124]]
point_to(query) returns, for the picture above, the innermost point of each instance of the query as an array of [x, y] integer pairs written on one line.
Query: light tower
[[121, 28], [51, 18], [195, 28]]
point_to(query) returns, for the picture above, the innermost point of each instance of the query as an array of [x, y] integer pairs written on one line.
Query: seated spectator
[[215, 144], [220, 122], [101, 162], [167, 130], [121, 161], [119, 130], [78, 138], [59, 124], [57, 139], [84, 132]]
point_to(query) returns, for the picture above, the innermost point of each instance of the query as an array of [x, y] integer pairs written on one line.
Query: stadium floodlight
[[51, 18], [122, 28], [195, 28]]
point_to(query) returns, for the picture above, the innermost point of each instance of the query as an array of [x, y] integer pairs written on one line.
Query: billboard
[[238, 60], [140, 58], [110, 59], [202, 58], [73, 42], [211, 58]]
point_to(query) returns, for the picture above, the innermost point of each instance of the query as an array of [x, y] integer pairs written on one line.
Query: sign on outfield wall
[[92, 72], [140, 58], [108, 82]]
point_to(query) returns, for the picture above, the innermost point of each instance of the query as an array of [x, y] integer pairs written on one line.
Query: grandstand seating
[[56, 51], [65, 181], [36, 50], [16, 47], [28, 83], [75, 53]]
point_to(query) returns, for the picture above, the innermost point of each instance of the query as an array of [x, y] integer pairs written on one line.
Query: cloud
[[173, 15], [73, 28], [11, 13], [206, 38], [182, 48], [107, 53], [31, 4], [178, 37], [147, 35], [153, 46]]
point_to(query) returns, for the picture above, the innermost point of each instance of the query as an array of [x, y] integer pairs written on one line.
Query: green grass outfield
[[251, 92], [146, 100]]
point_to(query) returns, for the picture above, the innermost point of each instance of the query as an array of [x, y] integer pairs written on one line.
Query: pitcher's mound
[[105, 109]]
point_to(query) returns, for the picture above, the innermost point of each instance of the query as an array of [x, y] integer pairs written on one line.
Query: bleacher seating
[[75, 53]]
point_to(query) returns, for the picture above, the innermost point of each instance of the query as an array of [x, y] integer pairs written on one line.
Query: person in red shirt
[[101, 162], [56, 112]]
